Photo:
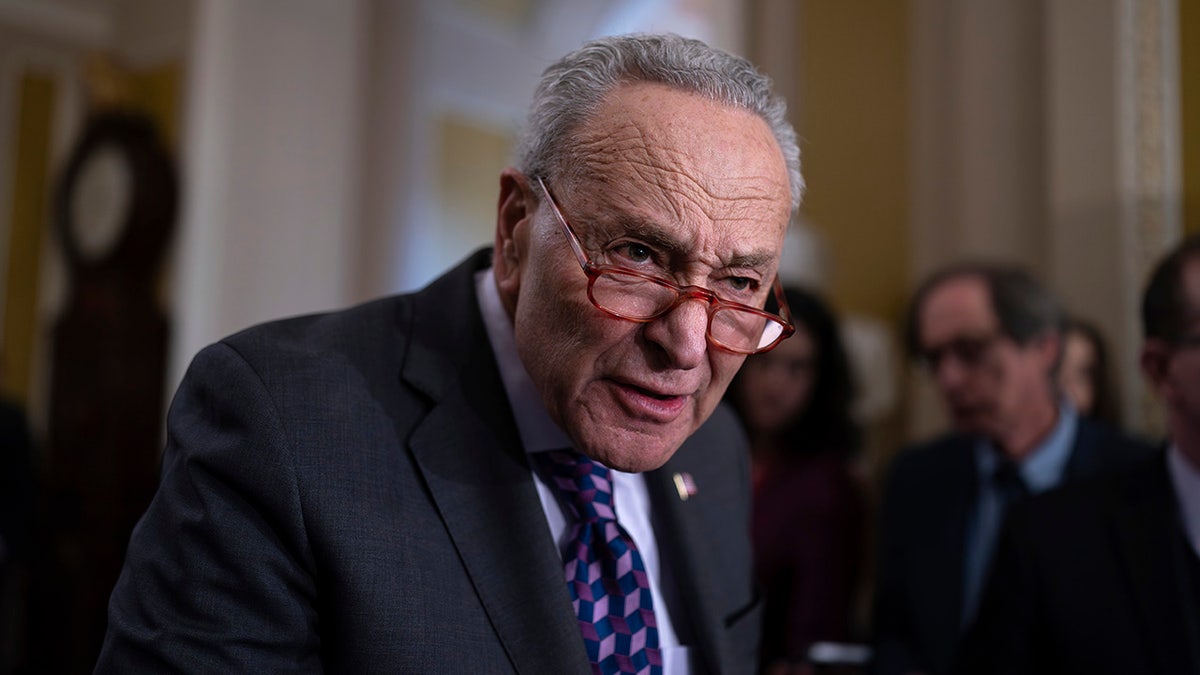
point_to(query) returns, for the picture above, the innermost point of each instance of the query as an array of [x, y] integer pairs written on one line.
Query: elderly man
[[1105, 577], [990, 337], [514, 469]]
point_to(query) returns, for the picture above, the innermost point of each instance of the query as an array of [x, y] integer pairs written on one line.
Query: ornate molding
[[1149, 85]]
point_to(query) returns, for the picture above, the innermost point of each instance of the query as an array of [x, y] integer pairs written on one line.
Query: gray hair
[[572, 89]]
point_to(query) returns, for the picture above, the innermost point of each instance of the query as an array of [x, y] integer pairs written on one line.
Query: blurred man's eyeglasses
[[637, 296], [970, 352]]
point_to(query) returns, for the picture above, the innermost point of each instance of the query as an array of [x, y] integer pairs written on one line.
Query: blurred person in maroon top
[[808, 509]]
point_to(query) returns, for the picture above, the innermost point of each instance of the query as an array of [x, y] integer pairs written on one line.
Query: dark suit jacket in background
[[17, 478], [348, 492], [930, 492], [1085, 581]]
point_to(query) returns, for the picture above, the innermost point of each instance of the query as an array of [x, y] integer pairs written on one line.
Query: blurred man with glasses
[[990, 338], [1103, 577], [522, 467]]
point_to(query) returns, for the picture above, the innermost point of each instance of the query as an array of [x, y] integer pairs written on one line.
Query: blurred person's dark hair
[[1165, 310], [827, 423], [1023, 307]]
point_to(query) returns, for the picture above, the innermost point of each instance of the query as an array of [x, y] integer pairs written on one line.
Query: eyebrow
[[660, 238]]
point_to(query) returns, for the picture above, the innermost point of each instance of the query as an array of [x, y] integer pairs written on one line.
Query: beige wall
[[1041, 133], [853, 118], [1189, 68]]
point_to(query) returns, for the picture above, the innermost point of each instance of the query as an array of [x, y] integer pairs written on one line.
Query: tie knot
[[584, 484]]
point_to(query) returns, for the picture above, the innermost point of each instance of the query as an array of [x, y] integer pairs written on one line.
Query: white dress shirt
[[539, 433], [1185, 478]]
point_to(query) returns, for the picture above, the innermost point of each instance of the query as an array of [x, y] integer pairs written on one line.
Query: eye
[[742, 284], [740, 287], [635, 252]]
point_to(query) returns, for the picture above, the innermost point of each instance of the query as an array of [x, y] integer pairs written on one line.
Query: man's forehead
[[960, 304], [683, 142]]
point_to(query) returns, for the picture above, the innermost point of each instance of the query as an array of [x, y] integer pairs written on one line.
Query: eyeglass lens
[[634, 297], [968, 351]]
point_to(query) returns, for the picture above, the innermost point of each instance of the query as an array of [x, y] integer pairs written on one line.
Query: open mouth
[[650, 404], [654, 395]]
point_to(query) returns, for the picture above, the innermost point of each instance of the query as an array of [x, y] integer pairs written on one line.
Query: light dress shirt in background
[[1185, 478], [539, 433]]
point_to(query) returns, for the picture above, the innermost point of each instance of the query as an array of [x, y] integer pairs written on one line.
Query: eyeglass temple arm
[[562, 221], [785, 312]]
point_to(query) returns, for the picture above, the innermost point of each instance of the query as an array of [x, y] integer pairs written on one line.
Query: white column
[[270, 166], [1114, 189]]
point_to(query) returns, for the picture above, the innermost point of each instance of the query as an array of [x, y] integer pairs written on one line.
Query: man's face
[[1174, 370], [987, 380], [1078, 371], [664, 182]]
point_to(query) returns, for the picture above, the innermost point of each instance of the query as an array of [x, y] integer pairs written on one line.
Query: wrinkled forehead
[[667, 132], [659, 154]]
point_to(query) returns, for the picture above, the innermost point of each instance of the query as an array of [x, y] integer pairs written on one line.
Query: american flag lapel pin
[[685, 485]]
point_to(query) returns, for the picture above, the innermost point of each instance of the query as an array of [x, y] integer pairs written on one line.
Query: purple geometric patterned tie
[[605, 575]]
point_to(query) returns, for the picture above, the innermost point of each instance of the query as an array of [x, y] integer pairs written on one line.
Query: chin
[[969, 424], [636, 462], [633, 456]]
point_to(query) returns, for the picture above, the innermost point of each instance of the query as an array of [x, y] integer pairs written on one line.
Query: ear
[[1155, 360], [514, 213]]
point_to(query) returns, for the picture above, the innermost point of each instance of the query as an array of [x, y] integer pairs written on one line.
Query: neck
[[1019, 440]]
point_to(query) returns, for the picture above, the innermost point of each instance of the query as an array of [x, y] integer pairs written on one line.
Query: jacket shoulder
[[1093, 498], [1100, 448], [322, 332]]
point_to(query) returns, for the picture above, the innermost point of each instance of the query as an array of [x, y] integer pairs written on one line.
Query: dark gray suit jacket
[[930, 492], [348, 492], [1091, 579]]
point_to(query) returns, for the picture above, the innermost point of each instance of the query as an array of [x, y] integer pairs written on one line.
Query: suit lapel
[[1144, 527], [492, 512], [676, 531], [468, 451], [705, 541]]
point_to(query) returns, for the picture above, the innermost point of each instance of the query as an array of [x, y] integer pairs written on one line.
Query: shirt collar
[[1043, 468], [1185, 479], [538, 431]]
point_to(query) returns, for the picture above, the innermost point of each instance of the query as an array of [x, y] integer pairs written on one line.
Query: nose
[[949, 373], [682, 334]]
